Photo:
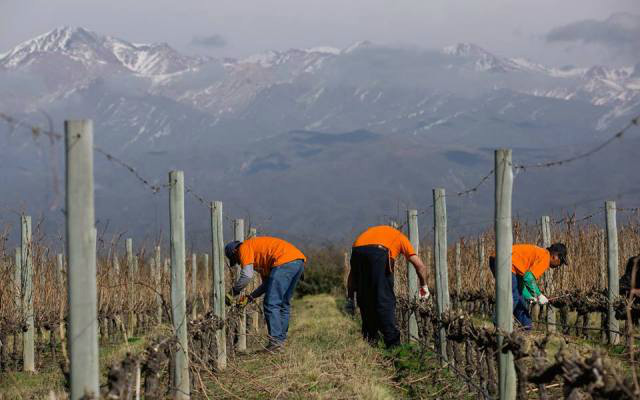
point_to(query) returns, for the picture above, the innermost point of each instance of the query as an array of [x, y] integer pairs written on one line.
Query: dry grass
[[24, 385]]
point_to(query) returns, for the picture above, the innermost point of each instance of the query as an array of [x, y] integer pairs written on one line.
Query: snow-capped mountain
[[319, 122], [68, 59], [92, 50], [598, 85], [481, 59]]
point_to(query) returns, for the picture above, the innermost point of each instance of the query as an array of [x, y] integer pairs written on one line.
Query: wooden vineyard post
[[130, 285], [129, 250], [612, 268], [158, 282], [481, 260], [545, 224], [238, 234], [254, 315], [60, 270], [458, 274], [116, 264], [194, 286], [412, 276], [28, 337], [81, 252], [17, 276], [181, 389], [217, 266], [504, 243], [440, 258]]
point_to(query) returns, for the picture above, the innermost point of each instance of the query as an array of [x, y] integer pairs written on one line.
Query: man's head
[[558, 252], [231, 251]]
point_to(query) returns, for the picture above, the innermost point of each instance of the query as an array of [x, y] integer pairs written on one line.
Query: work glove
[[423, 293], [350, 307], [228, 299], [244, 300], [542, 299]]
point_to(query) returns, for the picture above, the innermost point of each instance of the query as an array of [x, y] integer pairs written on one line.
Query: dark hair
[[560, 250]]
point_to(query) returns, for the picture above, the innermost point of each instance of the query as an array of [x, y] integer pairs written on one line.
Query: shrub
[[324, 271]]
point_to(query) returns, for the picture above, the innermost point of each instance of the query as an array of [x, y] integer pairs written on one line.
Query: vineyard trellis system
[[108, 302], [142, 293], [472, 349]]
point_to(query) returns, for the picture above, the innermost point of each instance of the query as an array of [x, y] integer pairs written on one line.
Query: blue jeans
[[520, 306], [279, 289]]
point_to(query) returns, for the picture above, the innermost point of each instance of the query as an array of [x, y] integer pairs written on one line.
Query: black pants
[[373, 283]]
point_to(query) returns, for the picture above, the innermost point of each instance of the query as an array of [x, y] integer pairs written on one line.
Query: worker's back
[[529, 257], [390, 238], [526, 257]]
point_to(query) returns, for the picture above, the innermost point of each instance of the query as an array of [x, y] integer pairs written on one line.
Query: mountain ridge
[[159, 61], [339, 136]]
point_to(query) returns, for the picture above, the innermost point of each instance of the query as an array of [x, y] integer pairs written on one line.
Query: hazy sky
[[241, 27]]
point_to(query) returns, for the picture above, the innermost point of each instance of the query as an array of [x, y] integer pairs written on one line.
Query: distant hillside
[[314, 143]]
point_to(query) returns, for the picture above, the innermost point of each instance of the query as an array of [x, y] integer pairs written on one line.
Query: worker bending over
[[280, 264], [529, 262], [371, 280]]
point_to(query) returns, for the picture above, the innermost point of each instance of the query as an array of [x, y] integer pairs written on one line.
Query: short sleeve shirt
[[383, 235]]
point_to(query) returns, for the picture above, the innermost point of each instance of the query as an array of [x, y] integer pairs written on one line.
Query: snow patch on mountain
[[69, 59], [324, 49], [360, 45], [91, 49]]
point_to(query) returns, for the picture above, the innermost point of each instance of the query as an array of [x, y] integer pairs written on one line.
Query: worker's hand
[[350, 307], [228, 299], [542, 299], [244, 300], [423, 293]]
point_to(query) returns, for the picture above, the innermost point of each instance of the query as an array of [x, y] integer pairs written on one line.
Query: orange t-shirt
[[394, 240], [527, 257], [266, 252]]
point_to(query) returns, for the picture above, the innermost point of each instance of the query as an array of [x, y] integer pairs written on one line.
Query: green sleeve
[[531, 284]]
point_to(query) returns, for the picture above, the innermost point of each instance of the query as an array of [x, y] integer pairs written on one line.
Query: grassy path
[[326, 358], [323, 359]]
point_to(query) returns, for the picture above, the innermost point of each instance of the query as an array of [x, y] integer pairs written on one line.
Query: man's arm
[[421, 269], [540, 264], [531, 284], [246, 273], [259, 290]]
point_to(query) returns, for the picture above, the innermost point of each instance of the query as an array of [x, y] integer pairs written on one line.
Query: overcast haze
[[238, 28]]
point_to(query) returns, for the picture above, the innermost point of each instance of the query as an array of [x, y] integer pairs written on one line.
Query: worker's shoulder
[[261, 240], [384, 229], [268, 242], [528, 247]]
